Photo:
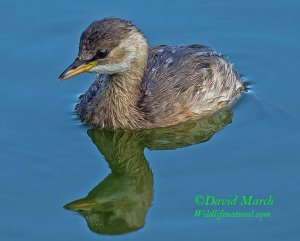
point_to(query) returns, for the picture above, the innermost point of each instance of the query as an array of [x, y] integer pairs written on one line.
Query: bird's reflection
[[119, 203]]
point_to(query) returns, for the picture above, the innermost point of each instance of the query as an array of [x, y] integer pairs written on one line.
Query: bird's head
[[108, 46]]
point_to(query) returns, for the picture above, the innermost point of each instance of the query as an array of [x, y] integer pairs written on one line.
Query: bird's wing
[[175, 81]]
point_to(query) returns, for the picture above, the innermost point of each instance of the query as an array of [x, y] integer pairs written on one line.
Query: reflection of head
[[115, 212], [119, 203], [109, 223]]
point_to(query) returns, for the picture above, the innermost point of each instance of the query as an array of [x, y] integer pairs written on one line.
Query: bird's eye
[[101, 54]]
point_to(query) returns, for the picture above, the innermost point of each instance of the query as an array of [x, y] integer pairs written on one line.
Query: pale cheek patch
[[115, 68], [111, 68], [134, 46]]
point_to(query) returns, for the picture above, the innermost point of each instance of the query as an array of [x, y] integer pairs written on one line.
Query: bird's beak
[[78, 67]]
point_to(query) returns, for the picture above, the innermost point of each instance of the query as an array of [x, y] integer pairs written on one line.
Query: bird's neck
[[119, 101]]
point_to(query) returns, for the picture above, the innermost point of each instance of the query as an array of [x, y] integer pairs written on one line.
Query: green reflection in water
[[119, 203]]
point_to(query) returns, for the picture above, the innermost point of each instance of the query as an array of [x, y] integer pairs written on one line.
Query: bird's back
[[183, 82]]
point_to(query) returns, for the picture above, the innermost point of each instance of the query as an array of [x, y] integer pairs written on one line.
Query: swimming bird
[[141, 87]]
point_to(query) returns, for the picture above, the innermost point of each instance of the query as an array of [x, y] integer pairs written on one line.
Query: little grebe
[[141, 87]]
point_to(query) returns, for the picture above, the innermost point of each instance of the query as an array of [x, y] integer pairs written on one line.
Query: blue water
[[47, 158]]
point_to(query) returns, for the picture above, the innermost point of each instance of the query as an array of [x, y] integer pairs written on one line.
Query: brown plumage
[[141, 87]]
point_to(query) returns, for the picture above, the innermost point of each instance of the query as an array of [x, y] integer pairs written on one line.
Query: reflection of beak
[[78, 67], [81, 205]]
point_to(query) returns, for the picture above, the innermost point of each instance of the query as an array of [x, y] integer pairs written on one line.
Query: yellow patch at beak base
[[71, 71]]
